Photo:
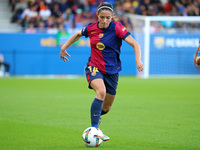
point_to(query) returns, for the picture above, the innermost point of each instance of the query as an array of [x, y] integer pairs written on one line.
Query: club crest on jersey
[[93, 73], [101, 35], [100, 46]]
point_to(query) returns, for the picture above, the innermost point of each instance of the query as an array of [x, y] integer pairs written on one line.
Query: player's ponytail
[[109, 7]]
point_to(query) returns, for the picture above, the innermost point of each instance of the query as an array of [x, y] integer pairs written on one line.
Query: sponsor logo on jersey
[[101, 35], [100, 46]]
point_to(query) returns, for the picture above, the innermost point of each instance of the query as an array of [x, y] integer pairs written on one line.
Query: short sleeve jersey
[[105, 46]]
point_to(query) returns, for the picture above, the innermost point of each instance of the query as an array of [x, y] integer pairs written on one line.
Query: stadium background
[[41, 113], [33, 49]]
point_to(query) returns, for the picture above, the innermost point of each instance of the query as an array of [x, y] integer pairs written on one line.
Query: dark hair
[[109, 7], [105, 6]]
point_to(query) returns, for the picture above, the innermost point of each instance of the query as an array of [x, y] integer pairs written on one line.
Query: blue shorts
[[110, 81]]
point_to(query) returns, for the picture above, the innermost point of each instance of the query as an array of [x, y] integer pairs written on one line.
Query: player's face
[[104, 18]]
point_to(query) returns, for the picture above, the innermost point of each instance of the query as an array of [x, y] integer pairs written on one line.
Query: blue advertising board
[[173, 54], [38, 54]]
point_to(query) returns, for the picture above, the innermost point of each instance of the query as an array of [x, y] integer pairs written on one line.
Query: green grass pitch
[[148, 114]]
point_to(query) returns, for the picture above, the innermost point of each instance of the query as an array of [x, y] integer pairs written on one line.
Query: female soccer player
[[103, 65], [197, 56]]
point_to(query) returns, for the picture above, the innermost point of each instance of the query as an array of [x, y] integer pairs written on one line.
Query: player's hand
[[62, 55], [139, 65]]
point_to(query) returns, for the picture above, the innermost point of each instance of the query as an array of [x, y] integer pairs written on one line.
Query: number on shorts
[[93, 70]]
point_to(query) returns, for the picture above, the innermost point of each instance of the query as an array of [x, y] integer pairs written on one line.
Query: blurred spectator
[[41, 27], [48, 1], [41, 5], [30, 29], [193, 10], [30, 12], [168, 23], [61, 28], [18, 9], [45, 13], [25, 22], [53, 29], [127, 5], [67, 15], [50, 22], [174, 11], [78, 16], [119, 9], [73, 29], [126, 23], [79, 13], [56, 12], [63, 5], [12, 4]]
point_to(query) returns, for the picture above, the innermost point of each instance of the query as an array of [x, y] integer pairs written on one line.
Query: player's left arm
[[129, 39], [71, 40]]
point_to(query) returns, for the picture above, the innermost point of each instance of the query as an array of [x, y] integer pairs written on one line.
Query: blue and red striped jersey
[[105, 46]]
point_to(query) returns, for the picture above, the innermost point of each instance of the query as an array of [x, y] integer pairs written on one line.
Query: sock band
[[103, 112]]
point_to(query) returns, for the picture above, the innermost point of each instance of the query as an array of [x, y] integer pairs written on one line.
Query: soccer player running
[[197, 56], [103, 65]]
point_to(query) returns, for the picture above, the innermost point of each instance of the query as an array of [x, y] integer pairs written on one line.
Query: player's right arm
[[129, 39], [71, 40], [195, 57]]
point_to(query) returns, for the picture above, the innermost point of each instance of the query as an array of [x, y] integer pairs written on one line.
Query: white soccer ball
[[92, 137]]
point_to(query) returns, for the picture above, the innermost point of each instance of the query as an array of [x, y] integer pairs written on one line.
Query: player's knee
[[101, 94]]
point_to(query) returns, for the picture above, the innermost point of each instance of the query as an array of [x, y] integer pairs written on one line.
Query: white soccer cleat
[[99, 122], [105, 138]]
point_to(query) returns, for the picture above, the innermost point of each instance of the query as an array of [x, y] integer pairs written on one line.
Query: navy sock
[[95, 111], [103, 112]]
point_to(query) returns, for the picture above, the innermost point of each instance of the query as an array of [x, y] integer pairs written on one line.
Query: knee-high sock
[[95, 111], [103, 112]]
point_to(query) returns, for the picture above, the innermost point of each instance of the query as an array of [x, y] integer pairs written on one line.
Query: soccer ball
[[92, 137]]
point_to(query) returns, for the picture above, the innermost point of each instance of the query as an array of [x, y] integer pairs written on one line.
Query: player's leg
[[99, 87], [95, 80], [108, 101], [96, 107], [111, 82]]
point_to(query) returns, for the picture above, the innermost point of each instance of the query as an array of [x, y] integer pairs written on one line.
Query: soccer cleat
[[105, 138], [99, 122]]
